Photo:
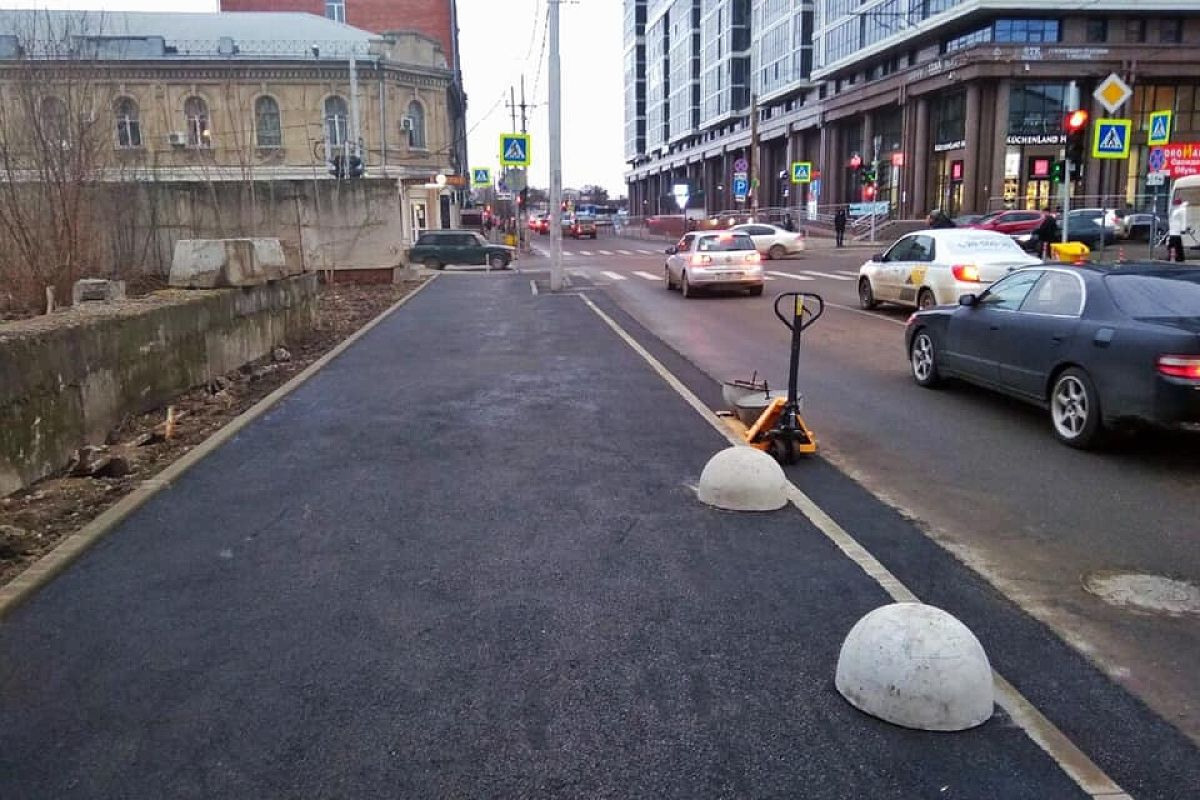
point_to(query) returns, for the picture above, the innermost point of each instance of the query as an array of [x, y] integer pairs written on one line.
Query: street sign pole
[[1072, 105], [875, 197], [555, 69]]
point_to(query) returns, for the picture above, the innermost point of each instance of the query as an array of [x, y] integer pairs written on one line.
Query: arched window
[[336, 121], [129, 128], [268, 131], [195, 114], [415, 122], [55, 129]]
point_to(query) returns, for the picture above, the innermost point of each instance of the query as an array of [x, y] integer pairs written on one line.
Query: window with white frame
[[335, 10], [268, 132], [337, 120], [56, 130], [195, 115], [129, 127], [415, 121]]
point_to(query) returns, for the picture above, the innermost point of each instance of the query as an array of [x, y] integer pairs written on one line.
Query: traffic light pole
[[1073, 103], [555, 70]]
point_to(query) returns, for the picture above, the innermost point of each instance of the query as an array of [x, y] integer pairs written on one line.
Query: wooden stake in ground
[[169, 433]]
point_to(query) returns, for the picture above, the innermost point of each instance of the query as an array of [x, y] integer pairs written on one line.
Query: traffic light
[[869, 191], [1058, 171], [1075, 126], [867, 176]]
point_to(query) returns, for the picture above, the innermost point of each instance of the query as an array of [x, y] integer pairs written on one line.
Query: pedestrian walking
[[939, 219], [1047, 234], [1177, 226], [839, 226], [788, 224]]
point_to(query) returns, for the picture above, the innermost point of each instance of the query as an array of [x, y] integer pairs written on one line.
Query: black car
[[436, 249], [1143, 227], [1097, 345], [1089, 229]]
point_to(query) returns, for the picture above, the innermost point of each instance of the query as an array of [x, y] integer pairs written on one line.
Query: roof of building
[[114, 35]]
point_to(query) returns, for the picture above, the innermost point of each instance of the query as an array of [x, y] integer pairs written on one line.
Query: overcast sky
[[500, 41]]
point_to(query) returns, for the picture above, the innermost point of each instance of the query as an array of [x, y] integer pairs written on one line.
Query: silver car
[[772, 242], [714, 260]]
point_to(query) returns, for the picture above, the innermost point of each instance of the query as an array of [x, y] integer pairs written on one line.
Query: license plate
[[731, 274]]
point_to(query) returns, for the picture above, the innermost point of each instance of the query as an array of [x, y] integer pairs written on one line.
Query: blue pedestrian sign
[[741, 186], [1160, 128], [481, 176], [801, 171], [1112, 138], [514, 150]]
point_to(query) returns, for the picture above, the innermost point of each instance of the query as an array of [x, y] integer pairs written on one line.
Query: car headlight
[[1024, 237]]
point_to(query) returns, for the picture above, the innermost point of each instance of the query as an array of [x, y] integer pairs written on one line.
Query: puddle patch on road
[[1144, 592]]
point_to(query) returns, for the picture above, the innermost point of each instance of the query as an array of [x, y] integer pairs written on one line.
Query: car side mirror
[[968, 300], [671, 251], [877, 258]]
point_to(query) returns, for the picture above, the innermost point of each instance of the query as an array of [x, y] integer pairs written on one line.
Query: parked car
[[1096, 345], [772, 241], [1087, 226], [1144, 227], [581, 227], [1114, 220], [934, 267], [714, 260], [966, 220], [436, 249], [1013, 223]]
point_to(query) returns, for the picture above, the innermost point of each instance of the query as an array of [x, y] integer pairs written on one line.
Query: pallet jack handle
[[796, 321]]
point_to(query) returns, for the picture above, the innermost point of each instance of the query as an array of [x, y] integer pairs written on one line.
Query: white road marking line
[[648, 276], [604, 252], [767, 278], [616, 276], [848, 272], [1070, 759], [585, 252], [625, 252], [871, 314], [648, 252], [829, 275], [789, 275]]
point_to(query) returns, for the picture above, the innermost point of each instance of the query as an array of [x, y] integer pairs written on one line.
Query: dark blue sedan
[[1099, 345]]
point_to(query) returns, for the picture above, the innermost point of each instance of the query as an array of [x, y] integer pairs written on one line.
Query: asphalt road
[[982, 474]]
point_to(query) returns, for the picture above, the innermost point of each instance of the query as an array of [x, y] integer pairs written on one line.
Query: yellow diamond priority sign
[[1112, 93]]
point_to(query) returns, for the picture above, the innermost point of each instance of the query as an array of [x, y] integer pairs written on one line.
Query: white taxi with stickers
[[935, 267]]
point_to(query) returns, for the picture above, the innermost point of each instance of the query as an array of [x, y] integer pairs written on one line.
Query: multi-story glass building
[[959, 101]]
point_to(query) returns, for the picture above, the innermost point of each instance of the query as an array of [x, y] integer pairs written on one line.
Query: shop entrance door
[[1038, 194]]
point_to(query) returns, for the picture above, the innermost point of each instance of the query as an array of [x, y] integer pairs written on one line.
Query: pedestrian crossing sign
[[481, 176], [801, 172], [1111, 138], [1160, 128], [514, 150]]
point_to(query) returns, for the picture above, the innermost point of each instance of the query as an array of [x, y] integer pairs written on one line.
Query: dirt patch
[[34, 520]]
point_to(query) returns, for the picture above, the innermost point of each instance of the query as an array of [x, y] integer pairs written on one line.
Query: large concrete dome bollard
[[742, 478], [917, 666]]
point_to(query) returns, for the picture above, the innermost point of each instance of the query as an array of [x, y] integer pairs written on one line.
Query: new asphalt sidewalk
[[466, 560]]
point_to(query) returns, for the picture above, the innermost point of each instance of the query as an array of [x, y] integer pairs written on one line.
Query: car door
[[474, 249], [888, 271], [683, 251], [909, 279], [763, 237], [1041, 333], [973, 332]]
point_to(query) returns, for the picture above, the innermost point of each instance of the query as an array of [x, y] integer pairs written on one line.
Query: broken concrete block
[[215, 263], [97, 290]]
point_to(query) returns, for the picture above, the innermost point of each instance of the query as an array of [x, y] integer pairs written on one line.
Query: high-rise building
[[635, 78], [957, 104]]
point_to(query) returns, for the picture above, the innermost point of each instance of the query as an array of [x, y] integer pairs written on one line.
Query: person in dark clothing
[[839, 226], [1047, 234], [939, 219], [788, 225]]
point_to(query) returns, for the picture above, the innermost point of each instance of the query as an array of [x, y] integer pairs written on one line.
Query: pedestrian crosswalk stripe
[[848, 272], [625, 252], [829, 275], [616, 276], [585, 252], [790, 275], [647, 276], [604, 252]]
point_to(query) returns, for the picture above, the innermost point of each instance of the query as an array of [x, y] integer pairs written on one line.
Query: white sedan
[[772, 242], [714, 260], [936, 267]]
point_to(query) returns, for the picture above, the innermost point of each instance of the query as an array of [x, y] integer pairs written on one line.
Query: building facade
[[959, 103]]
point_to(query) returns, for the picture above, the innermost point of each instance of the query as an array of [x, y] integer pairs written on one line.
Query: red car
[[1013, 223]]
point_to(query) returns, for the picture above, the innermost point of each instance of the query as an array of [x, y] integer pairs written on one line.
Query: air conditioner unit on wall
[[177, 139], [407, 123]]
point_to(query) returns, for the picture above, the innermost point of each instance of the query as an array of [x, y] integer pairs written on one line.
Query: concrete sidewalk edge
[[46, 568]]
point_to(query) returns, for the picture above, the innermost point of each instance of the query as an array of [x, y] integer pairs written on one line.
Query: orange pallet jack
[[780, 429]]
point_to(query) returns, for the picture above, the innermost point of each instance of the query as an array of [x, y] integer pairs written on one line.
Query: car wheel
[[925, 299], [685, 288], [777, 252], [432, 263], [756, 291], [922, 357], [498, 262], [667, 279], [1075, 409], [866, 295]]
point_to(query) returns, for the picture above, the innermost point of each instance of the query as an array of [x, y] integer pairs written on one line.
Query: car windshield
[[983, 249], [1156, 295], [989, 216], [738, 241]]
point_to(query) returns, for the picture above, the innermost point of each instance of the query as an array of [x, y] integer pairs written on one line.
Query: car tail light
[[1180, 367], [754, 257], [699, 259], [967, 273]]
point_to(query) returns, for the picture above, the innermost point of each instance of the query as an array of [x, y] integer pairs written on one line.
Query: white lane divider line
[[829, 275], [624, 252], [1070, 759], [848, 272], [604, 252], [616, 276], [789, 275], [585, 252], [648, 276], [767, 278], [648, 252]]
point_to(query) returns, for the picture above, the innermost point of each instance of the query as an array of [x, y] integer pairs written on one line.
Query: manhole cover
[[1145, 592]]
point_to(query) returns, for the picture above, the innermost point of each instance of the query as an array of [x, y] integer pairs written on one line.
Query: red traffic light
[[855, 161], [869, 191], [1076, 121]]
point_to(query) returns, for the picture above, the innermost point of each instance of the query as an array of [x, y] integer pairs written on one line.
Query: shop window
[[1170, 31], [1097, 30], [949, 116]]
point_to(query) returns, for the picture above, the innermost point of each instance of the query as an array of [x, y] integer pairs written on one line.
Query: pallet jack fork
[[780, 429]]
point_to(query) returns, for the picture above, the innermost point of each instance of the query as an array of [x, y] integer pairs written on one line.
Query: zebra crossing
[[589, 253], [769, 275]]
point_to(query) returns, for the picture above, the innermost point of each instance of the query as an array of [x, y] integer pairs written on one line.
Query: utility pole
[[523, 217], [555, 69], [754, 157], [1072, 105], [877, 144]]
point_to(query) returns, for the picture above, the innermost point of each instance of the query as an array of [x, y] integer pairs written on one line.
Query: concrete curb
[[64, 554]]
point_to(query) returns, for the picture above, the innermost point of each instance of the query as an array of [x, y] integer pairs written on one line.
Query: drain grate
[[1144, 592]]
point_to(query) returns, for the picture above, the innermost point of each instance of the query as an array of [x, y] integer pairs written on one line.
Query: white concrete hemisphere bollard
[[917, 666], [742, 478]]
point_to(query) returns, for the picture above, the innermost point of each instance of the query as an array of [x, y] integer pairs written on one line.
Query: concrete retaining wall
[[68, 379]]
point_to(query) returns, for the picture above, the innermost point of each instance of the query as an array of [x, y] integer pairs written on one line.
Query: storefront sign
[[1181, 159], [1012, 164], [1039, 168], [1040, 138], [956, 171], [944, 146]]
